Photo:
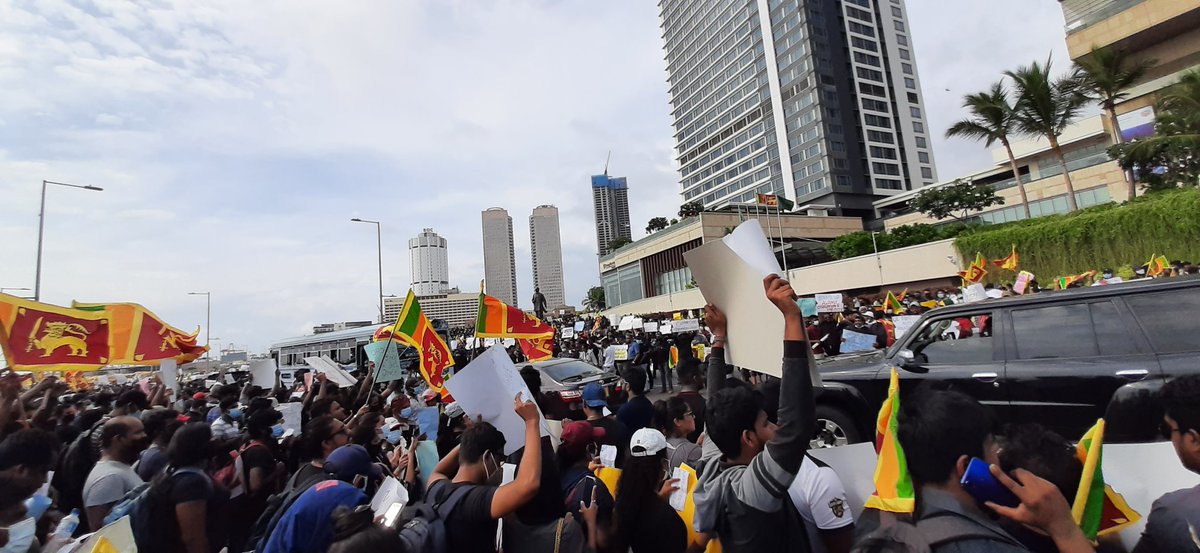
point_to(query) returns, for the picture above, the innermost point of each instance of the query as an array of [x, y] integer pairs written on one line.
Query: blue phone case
[[979, 482]]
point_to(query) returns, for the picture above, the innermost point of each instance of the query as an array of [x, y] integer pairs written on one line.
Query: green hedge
[[1105, 236]]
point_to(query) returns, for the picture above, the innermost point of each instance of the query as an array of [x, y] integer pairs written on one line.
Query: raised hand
[[668, 488], [1042, 505], [780, 292], [527, 410], [715, 320]]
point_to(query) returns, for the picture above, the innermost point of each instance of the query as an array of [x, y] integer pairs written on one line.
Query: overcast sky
[[235, 140]]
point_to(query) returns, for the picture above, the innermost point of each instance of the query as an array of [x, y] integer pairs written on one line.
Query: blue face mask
[[235, 413], [20, 536], [277, 431], [36, 506], [393, 436]]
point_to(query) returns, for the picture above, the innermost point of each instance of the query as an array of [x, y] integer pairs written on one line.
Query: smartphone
[[389, 516], [980, 484]]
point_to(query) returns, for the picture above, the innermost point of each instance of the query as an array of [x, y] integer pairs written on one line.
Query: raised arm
[[797, 411], [715, 320], [511, 496]]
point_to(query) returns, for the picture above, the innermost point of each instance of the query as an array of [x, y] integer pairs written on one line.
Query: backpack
[[278, 504], [232, 474], [938, 529], [423, 525], [76, 464]]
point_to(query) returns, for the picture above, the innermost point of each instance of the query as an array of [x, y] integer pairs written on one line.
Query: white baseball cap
[[647, 442]]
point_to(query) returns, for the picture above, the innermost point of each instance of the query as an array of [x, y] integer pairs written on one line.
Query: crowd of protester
[[206, 470]]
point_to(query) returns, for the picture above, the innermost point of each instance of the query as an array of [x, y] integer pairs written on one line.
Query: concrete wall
[[687, 299], [1137, 18], [924, 262]]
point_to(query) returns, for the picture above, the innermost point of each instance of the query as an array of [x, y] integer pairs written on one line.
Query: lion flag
[[41, 337], [139, 337], [414, 329], [497, 319]]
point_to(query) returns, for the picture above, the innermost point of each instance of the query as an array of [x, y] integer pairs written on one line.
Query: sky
[[236, 140]]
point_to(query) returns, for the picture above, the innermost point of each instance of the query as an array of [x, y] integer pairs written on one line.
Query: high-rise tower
[[610, 204], [546, 246], [430, 264], [818, 101], [499, 257]]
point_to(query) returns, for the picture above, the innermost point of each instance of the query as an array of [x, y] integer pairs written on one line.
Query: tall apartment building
[[546, 244], [819, 101], [430, 264], [499, 257], [610, 205]]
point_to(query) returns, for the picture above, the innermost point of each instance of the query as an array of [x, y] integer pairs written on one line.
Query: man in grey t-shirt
[[121, 439], [1174, 521]]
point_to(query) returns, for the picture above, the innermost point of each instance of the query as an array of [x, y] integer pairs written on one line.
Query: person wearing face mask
[[307, 526], [261, 474], [226, 425], [121, 440], [17, 528], [472, 473]]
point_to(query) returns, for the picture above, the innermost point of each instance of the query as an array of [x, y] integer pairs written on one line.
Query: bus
[[344, 347]]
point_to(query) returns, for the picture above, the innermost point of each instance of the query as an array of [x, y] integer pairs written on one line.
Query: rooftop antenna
[[606, 160]]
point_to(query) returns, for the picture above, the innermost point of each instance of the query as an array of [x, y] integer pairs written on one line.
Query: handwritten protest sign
[[808, 306], [650, 327], [621, 353], [387, 360], [829, 303], [904, 323], [568, 333], [857, 341], [685, 325], [578, 326]]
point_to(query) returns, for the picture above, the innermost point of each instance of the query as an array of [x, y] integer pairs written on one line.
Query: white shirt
[[610, 357], [995, 293], [820, 498]]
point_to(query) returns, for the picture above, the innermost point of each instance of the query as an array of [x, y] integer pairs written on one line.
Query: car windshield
[[570, 371]]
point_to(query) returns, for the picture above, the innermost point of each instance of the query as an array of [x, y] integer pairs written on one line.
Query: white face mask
[[20, 536]]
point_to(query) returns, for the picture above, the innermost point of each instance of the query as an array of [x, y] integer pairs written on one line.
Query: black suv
[[1062, 359]]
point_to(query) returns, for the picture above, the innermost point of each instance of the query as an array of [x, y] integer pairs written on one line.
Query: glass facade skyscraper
[[610, 205], [818, 101]]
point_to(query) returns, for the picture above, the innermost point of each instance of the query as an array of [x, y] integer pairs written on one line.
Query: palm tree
[[1045, 106], [1168, 158], [1103, 77], [992, 120], [595, 299]]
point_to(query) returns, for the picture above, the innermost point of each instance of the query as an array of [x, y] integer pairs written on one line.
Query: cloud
[[235, 140]]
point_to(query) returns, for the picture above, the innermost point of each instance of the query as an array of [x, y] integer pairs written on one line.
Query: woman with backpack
[[182, 513], [645, 522]]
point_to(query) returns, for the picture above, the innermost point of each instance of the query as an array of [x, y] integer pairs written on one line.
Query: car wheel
[[834, 428]]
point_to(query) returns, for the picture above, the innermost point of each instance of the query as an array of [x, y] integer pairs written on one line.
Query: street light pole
[[878, 261], [207, 320], [379, 252], [37, 282]]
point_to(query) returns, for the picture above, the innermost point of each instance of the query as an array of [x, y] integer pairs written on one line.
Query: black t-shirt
[[470, 528], [547, 505], [157, 528], [657, 529], [615, 434], [637, 414]]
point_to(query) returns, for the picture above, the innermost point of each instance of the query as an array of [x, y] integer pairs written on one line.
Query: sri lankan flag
[[38, 336], [893, 485], [775, 200], [414, 329], [1010, 262], [139, 337], [499, 320], [892, 302], [1064, 282], [1156, 266], [1098, 509], [537, 349], [673, 361], [973, 274]]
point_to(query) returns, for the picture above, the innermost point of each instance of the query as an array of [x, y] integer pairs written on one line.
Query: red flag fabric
[[41, 337]]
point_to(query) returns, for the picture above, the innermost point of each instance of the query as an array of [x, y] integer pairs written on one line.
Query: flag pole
[[782, 244]]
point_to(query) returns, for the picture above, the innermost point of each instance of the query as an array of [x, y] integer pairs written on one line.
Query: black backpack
[[73, 471], [940, 528], [423, 525]]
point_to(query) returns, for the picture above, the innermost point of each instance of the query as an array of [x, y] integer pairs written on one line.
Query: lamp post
[[37, 282], [379, 251], [207, 320], [878, 261]]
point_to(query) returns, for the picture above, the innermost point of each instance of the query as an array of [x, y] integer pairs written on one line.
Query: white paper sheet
[[626, 323], [291, 416], [665, 328], [749, 243], [857, 341], [650, 327], [486, 387], [904, 323], [608, 455], [974, 292], [390, 491], [688, 325], [829, 303], [262, 373], [679, 497], [170, 374], [568, 333], [332, 371]]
